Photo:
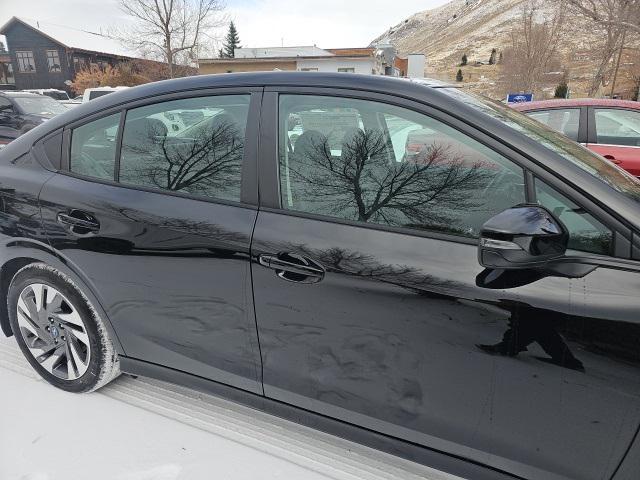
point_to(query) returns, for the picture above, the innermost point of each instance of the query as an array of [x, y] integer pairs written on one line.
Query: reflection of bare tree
[[366, 180], [205, 160]]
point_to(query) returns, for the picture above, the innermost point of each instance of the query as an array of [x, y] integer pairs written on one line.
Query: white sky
[[260, 23]]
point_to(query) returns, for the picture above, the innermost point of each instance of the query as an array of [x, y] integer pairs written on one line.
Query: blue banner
[[519, 97]]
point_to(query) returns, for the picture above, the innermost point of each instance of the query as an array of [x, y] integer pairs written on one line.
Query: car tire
[[58, 330]]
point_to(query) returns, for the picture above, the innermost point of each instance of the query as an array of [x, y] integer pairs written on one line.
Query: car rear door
[[159, 224], [372, 307], [614, 133]]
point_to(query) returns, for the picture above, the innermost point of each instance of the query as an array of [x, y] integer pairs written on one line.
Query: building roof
[[279, 54], [576, 102], [74, 38]]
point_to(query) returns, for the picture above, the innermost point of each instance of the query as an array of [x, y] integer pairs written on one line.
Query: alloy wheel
[[53, 331]]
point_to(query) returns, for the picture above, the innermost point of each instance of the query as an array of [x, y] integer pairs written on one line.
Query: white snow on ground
[[141, 429]]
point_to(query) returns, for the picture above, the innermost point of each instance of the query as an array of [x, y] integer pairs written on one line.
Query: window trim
[[249, 182], [269, 183], [33, 58]]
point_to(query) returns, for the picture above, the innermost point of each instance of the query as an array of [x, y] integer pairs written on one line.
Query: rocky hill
[[475, 27]]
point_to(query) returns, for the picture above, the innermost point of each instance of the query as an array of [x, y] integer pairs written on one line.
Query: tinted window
[[586, 233], [99, 93], [376, 163], [93, 147], [193, 146], [618, 127], [565, 121]]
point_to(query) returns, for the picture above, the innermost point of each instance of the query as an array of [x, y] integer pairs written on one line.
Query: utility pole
[[615, 73]]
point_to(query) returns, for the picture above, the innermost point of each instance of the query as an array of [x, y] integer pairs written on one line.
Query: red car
[[608, 127]]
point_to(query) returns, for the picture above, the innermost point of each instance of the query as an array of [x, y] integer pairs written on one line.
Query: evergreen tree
[[464, 60], [492, 58], [231, 42], [459, 76], [562, 90], [500, 58]]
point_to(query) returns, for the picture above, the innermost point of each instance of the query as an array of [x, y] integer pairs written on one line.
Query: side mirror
[[522, 237]]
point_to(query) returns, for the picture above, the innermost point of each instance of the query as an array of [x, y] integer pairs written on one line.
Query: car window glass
[[376, 163], [585, 232], [192, 146], [93, 148], [618, 127], [581, 157], [565, 121]]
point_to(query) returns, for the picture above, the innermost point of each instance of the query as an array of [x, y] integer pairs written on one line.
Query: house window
[[6, 74], [53, 61], [347, 70], [103, 64], [25, 62], [79, 63]]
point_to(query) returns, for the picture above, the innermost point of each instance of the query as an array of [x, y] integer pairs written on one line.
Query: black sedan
[[403, 264], [22, 111]]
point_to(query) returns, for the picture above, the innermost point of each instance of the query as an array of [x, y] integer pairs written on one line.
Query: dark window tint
[[565, 121], [586, 233], [193, 146], [376, 163], [618, 127], [93, 148]]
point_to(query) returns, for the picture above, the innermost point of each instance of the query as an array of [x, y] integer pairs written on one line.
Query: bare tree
[[171, 30], [615, 19], [534, 46], [617, 14]]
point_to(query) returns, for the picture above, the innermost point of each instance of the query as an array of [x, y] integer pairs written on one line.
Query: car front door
[[372, 307], [616, 136], [159, 224]]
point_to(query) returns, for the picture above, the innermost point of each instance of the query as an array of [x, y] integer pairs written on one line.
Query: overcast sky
[[261, 23]]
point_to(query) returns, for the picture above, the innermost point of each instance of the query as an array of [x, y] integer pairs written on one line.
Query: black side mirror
[[522, 237]]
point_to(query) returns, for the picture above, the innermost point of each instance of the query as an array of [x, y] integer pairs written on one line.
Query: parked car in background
[[60, 95], [21, 111], [97, 92], [416, 268], [608, 127]]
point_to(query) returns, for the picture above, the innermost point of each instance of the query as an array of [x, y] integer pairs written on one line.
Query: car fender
[[25, 250]]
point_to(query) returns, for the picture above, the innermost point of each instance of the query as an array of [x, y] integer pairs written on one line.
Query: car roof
[[18, 94], [576, 102]]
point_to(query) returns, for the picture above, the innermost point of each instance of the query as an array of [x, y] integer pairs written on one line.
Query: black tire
[[102, 365]]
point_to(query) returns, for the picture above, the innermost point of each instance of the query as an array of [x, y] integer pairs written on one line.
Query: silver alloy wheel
[[54, 333]]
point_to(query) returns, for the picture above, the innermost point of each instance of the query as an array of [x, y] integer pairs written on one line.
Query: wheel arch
[[19, 253]]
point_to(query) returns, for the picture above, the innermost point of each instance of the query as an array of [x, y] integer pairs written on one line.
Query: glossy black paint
[[525, 236], [399, 339]]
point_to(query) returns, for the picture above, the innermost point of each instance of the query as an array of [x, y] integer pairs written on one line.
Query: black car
[[22, 111], [408, 266]]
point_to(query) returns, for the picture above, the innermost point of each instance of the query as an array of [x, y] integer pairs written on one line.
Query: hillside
[[475, 27]]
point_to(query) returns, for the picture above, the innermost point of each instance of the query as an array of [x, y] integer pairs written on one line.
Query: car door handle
[[79, 220], [293, 267], [613, 159]]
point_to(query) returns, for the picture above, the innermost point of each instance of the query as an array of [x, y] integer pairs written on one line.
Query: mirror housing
[[522, 237]]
